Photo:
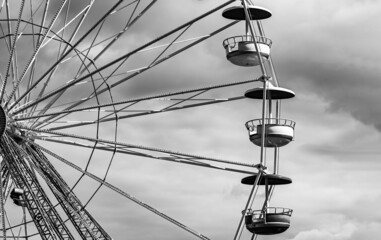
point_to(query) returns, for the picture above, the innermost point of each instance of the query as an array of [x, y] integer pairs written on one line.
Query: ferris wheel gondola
[[249, 50]]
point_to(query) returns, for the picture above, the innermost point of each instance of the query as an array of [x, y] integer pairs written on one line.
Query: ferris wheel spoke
[[140, 71], [98, 55], [120, 145], [82, 15], [66, 54], [42, 42], [159, 97], [124, 57], [33, 57], [149, 112], [39, 42], [136, 73], [134, 101], [82, 68], [130, 22], [142, 113], [114, 38], [126, 195], [156, 61], [35, 40], [49, 104], [196, 161], [12, 46], [45, 217], [85, 224]]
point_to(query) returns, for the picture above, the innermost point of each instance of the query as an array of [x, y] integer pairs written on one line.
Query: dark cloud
[[335, 57]]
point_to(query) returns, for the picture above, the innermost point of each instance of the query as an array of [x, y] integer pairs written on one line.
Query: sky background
[[327, 52]]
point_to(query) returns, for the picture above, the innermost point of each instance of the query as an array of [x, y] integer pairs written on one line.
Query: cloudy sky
[[327, 52]]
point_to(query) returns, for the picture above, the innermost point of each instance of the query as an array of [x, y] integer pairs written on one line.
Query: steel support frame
[[85, 224], [47, 220]]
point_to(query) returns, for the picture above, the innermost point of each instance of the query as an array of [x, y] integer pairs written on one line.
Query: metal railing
[[232, 42], [259, 215], [252, 125]]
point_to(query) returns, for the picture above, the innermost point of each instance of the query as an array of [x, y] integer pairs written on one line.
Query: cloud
[[347, 231], [327, 53]]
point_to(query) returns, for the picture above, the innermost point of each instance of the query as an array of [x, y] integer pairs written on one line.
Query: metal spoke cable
[[123, 7], [47, 107], [121, 192], [168, 108], [122, 58], [46, 218], [68, 44], [156, 63], [153, 63], [36, 51], [170, 158], [129, 23], [126, 110], [26, 99], [184, 100], [181, 92], [134, 146], [78, 54], [13, 46], [96, 143], [64, 56], [116, 36], [72, 37], [82, 13], [148, 113], [144, 50], [84, 223]]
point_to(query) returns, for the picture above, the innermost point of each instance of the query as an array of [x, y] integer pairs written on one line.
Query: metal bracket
[[264, 78], [261, 168]]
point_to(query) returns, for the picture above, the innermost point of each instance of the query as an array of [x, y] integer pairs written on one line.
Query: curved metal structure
[[65, 97]]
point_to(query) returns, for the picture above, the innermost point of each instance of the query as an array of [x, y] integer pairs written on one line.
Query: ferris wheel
[[70, 74]]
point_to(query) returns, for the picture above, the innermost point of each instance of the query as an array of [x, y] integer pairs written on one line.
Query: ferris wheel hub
[[3, 121]]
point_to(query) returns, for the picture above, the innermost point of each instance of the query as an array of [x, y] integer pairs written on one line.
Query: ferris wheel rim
[[16, 101]]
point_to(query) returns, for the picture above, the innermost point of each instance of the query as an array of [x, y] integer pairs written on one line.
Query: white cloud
[[349, 230]]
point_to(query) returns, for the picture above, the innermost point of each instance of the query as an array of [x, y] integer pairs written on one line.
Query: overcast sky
[[327, 52]]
